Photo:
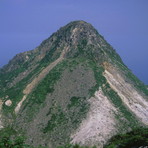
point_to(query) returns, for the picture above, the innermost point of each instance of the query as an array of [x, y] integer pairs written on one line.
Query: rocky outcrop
[[100, 123]]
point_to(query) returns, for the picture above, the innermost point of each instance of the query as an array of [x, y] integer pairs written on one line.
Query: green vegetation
[[75, 146], [9, 139], [75, 101], [132, 78], [76, 111], [15, 92], [49, 57], [5, 78], [100, 80], [57, 119], [137, 83], [81, 46], [45, 87], [79, 103], [116, 100], [136, 138], [18, 65]]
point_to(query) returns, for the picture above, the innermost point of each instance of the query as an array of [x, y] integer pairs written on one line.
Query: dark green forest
[[9, 138]]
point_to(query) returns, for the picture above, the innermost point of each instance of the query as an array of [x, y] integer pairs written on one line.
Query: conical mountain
[[73, 88]]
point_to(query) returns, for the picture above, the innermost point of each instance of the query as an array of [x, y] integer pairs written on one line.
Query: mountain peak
[[80, 26], [73, 32], [78, 22], [78, 37]]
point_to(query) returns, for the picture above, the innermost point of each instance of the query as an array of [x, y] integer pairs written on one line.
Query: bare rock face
[[100, 123], [73, 88], [8, 103], [132, 98]]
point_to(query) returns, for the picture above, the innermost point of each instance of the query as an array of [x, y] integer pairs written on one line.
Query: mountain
[[73, 88]]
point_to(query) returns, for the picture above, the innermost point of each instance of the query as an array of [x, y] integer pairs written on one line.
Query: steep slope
[[73, 88]]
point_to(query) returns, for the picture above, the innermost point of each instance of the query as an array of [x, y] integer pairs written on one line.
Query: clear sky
[[123, 23]]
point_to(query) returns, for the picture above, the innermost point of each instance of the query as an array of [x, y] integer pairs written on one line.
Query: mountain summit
[[73, 88]]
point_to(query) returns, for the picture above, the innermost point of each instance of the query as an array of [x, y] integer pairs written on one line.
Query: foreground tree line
[[9, 138]]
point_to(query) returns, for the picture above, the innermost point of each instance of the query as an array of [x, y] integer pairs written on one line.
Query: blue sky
[[24, 24]]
